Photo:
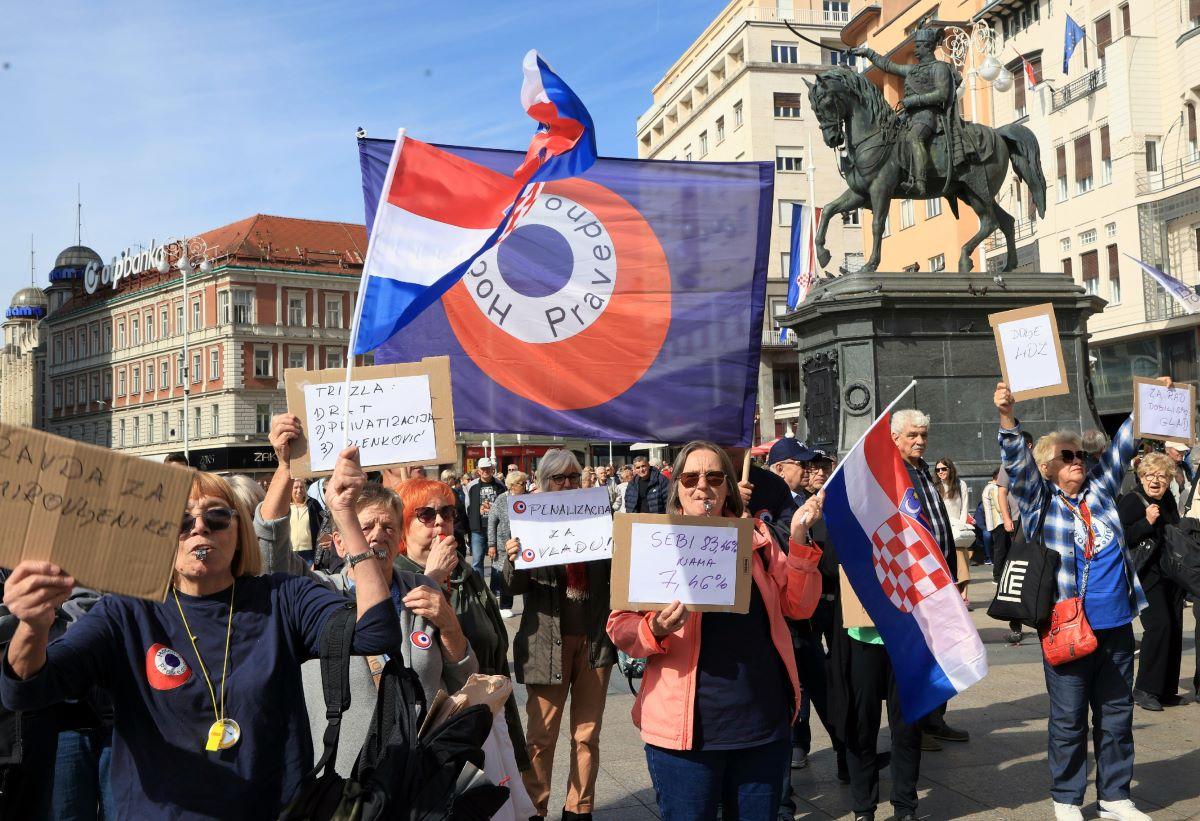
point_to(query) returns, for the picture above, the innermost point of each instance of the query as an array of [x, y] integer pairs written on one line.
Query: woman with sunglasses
[[209, 711], [1052, 484], [720, 690], [428, 546], [561, 648]]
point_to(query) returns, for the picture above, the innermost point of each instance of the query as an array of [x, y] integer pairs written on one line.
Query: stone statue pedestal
[[863, 336]]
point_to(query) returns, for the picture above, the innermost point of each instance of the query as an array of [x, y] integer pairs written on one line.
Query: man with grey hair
[[910, 432], [1095, 442]]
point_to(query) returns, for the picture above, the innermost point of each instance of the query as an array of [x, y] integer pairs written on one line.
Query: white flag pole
[[812, 207], [362, 287]]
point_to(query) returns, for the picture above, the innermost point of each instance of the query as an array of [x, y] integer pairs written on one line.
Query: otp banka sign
[[126, 266]]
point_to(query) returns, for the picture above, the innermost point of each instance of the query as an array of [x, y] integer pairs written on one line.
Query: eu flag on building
[[626, 305], [1072, 37]]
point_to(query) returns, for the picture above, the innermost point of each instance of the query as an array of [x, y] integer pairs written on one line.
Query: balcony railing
[[1169, 175], [1024, 230], [803, 17], [770, 339], [1085, 86]]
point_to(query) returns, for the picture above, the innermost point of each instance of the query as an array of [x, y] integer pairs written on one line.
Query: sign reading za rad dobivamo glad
[[111, 521], [561, 527], [399, 415]]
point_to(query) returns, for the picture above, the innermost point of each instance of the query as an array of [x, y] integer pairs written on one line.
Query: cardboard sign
[[853, 612], [111, 521], [400, 415], [561, 527], [1030, 353], [702, 561], [1161, 413]]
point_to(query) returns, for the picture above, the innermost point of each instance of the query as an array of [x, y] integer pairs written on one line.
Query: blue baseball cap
[[789, 448]]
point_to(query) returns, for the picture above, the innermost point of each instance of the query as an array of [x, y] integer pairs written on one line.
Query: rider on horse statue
[[929, 95]]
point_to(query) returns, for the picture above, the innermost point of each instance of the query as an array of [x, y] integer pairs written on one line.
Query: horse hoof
[[823, 256], [869, 268]]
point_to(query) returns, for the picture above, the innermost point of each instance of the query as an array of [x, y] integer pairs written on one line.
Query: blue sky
[[176, 118]]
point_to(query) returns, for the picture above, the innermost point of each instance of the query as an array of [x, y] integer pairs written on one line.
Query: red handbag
[[1069, 636]]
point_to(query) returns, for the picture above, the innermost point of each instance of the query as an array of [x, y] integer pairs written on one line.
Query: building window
[[1125, 28], [135, 380], [106, 337], [1090, 263], [134, 335], [164, 374], [720, 130], [262, 362], [333, 311], [70, 392], [687, 154], [95, 340], [58, 395], [937, 263], [296, 358], [121, 433], [785, 212], [164, 325], [836, 11], [121, 334], [784, 53], [196, 315], [1088, 237], [243, 307], [789, 158], [166, 427], [95, 387], [1060, 162], [120, 383], [703, 154], [181, 376], [179, 422], [107, 385], [215, 420], [214, 363], [1151, 155], [1064, 244], [262, 418], [852, 217], [296, 310], [1066, 266], [196, 423], [841, 58], [1110, 230], [149, 378], [179, 318], [197, 371], [150, 327], [224, 311], [785, 264], [906, 214], [737, 114], [137, 430], [150, 426], [1114, 276], [334, 359], [1191, 126], [1083, 164], [70, 347], [933, 208], [83, 349], [787, 106]]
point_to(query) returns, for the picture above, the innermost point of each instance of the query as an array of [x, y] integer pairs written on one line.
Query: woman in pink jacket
[[720, 690]]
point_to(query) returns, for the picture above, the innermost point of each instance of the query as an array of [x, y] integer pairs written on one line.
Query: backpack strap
[[336, 639]]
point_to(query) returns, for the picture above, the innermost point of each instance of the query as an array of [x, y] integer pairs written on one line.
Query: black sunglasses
[[1070, 456], [215, 518], [560, 478], [714, 478], [428, 515]]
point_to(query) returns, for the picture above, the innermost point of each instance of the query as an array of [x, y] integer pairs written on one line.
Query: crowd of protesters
[[726, 700]]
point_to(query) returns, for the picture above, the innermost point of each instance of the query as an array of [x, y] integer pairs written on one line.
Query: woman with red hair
[[428, 546]]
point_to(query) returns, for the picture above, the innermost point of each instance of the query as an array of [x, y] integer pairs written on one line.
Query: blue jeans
[[478, 551], [81, 787], [690, 785], [1102, 682]]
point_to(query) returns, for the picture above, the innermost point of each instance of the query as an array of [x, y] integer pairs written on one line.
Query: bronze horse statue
[[853, 114]]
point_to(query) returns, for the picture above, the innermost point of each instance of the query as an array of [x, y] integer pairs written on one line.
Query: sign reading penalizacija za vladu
[[109, 520], [399, 415], [562, 527], [702, 561], [1166, 414]]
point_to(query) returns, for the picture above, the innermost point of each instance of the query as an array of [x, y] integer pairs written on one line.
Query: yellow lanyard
[[220, 715]]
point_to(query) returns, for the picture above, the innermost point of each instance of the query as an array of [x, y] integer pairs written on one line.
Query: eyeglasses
[[562, 478], [941, 469], [428, 515], [714, 478], [1154, 477], [215, 518], [1070, 456]]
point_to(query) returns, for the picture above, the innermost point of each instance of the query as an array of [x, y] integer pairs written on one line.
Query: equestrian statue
[[923, 150]]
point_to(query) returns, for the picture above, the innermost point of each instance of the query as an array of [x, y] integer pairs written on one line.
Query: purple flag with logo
[[626, 305]]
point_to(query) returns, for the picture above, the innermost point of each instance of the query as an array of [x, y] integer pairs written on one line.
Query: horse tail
[[1027, 161]]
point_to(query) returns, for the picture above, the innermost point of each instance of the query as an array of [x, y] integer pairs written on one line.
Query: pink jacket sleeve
[[803, 589], [631, 633]]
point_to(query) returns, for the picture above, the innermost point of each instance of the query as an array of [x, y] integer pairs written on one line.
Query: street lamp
[[183, 251], [978, 49]]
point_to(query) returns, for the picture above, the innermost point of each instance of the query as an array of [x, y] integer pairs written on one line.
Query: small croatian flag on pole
[[802, 261]]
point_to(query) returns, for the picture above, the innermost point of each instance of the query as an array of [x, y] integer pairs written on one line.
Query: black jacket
[[474, 500], [656, 494]]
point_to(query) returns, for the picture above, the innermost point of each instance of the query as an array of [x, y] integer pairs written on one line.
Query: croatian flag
[[440, 212], [802, 260], [896, 568], [1031, 78], [1183, 293]]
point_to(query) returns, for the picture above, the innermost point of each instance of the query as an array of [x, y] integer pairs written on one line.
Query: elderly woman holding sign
[[210, 719], [561, 648], [720, 690], [1088, 645]]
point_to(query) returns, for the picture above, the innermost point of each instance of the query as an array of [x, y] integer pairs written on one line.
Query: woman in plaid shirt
[[1081, 518]]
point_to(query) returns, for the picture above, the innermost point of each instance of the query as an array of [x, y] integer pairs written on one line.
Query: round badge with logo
[[519, 506], [528, 555], [165, 668], [420, 640]]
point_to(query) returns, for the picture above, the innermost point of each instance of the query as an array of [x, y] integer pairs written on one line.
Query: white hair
[[247, 491], [902, 419], [552, 462]]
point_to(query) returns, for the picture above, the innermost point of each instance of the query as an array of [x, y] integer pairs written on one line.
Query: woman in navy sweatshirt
[[210, 719]]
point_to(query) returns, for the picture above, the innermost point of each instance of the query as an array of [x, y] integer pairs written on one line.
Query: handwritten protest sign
[[701, 561], [111, 521], [1167, 414], [399, 415], [1030, 352], [562, 527]]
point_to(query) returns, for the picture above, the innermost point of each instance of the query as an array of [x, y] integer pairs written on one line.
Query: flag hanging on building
[[873, 517], [441, 211], [626, 305], [802, 260], [1072, 37], [1183, 293], [1031, 78]]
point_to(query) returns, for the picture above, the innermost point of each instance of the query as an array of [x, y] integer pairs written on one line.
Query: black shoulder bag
[[1028, 582]]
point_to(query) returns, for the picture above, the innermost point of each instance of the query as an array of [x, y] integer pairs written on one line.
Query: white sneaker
[[506, 613], [1122, 811], [1067, 812]]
